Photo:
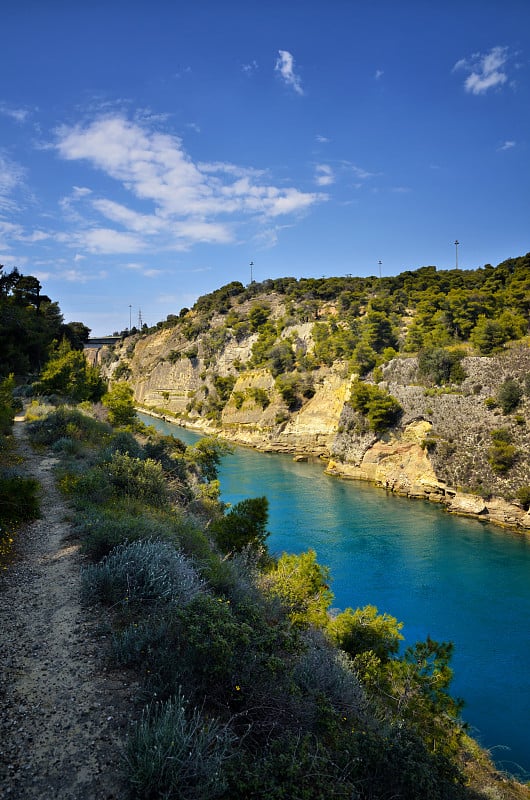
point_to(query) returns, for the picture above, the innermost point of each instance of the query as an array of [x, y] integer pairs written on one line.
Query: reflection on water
[[447, 577]]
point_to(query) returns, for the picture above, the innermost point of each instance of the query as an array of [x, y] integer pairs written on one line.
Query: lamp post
[[380, 264], [456, 251], [130, 317], [251, 265]]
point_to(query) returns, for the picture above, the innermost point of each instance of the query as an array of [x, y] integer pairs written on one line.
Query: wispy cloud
[[183, 202], [11, 177], [324, 175], [322, 139], [285, 67], [250, 68], [508, 145], [485, 70], [17, 114], [379, 74], [359, 172]]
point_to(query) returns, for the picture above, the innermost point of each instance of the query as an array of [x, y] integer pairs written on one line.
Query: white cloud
[[379, 74], [485, 70], [507, 145], [102, 241], [360, 173], [11, 178], [322, 139], [116, 212], [146, 272], [17, 114], [285, 66], [186, 198], [324, 175], [250, 68]]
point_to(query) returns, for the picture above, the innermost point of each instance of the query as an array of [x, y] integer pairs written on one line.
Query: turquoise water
[[447, 577]]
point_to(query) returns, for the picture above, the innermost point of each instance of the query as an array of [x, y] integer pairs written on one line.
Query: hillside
[[418, 383]]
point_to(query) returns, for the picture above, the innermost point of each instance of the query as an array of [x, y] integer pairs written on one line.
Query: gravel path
[[63, 713]]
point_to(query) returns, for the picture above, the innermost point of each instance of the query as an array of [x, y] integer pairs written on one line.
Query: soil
[[64, 713]]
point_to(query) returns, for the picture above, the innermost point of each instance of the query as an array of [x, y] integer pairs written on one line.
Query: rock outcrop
[[438, 451]]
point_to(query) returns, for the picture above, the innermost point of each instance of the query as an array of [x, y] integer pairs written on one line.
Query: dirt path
[[63, 714]]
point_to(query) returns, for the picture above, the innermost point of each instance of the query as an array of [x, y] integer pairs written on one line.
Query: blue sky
[[149, 151]]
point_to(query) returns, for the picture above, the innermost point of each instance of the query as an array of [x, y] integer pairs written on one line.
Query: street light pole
[[456, 249], [380, 263], [130, 317], [251, 265]]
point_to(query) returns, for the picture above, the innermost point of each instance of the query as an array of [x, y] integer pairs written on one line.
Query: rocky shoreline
[[401, 467]]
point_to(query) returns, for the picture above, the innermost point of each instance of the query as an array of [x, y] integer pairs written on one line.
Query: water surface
[[443, 576]]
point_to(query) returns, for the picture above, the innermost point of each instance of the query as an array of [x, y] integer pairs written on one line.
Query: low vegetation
[[252, 687]]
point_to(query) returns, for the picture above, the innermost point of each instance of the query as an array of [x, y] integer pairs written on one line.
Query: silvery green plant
[[143, 570], [176, 752]]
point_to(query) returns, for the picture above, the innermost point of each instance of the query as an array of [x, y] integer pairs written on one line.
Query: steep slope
[[276, 366]]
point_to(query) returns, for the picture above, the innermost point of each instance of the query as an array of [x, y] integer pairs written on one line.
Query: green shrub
[[120, 403], [380, 409], [175, 752], [441, 366], [301, 584], [66, 422], [501, 457], [19, 498], [7, 405], [67, 446], [365, 629], [101, 528], [501, 435], [141, 479], [523, 495], [244, 525], [509, 395], [260, 396]]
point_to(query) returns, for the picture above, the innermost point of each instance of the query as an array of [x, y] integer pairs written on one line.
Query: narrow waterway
[[444, 576]]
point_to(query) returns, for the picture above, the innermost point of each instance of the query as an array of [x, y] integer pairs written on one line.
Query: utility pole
[[456, 249]]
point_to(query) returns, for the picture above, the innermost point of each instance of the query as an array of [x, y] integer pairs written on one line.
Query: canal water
[[447, 577]]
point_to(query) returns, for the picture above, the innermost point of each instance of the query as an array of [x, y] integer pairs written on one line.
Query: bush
[[120, 403], [260, 396], [380, 408], [143, 570], [501, 456], [66, 423], [177, 753], [7, 405], [244, 525], [301, 584], [142, 480], [365, 629], [441, 366], [19, 498], [523, 495], [103, 528], [509, 395]]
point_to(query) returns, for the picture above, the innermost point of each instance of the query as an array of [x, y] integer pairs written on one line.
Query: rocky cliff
[[440, 450]]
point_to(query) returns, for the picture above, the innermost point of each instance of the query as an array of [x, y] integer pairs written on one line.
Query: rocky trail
[[63, 713]]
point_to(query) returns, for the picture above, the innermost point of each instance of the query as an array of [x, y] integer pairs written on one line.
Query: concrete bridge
[[100, 341], [93, 346]]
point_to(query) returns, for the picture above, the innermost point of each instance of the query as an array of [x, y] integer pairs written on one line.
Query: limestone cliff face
[[438, 451]]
